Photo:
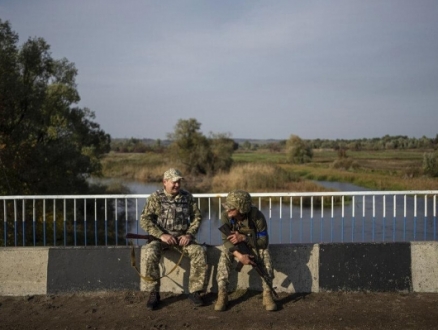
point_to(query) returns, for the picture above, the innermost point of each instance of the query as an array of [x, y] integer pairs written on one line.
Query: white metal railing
[[312, 217]]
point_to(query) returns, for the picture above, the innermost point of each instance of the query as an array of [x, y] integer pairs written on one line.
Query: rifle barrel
[[138, 236]]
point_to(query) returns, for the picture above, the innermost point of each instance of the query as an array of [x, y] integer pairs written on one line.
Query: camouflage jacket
[[166, 214], [254, 226]]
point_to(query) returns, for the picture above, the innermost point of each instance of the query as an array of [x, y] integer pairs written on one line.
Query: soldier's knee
[[152, 255]]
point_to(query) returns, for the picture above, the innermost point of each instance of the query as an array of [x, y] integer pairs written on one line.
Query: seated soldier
[[248, 224]]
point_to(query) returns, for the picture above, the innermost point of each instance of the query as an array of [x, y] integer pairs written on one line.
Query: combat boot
[[222, 300], [153, 301], [196, 299], [268, 302]]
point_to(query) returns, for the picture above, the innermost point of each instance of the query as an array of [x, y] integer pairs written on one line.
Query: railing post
[[34, 221], [54, 222], [65, 221], [23, 221]]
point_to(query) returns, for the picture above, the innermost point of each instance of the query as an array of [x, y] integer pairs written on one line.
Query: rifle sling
[[147, 278]]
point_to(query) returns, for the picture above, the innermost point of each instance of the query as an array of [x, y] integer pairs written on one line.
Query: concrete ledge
[[23, 271], [424, 257], [365, 267], [296, 270], [72, 269], [297, 267]]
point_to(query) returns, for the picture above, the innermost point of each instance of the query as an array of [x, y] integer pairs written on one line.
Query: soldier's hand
[[184, 240], [236, 237], [246, 259], [168, 239]]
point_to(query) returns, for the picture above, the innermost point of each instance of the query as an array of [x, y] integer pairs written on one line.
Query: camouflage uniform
[[254, 226], [176, 215]]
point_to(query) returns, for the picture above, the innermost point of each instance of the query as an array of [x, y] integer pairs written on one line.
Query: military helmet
[[240, 200]]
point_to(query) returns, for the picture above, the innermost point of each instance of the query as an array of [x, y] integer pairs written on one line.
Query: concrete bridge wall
[[410, 267]]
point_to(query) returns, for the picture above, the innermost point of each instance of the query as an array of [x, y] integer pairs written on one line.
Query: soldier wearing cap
[[172, 216], [248, 225]]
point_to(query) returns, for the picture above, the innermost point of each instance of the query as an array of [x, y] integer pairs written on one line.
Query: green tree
[[222, 147], [298, 151], [47, 144], [198, 154], [190, 147]]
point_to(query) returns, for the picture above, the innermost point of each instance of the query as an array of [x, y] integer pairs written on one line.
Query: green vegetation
[[48, 145], [264, 170], [298, 151], [196, 154], [380, 170], [430, 164], [259, 156]]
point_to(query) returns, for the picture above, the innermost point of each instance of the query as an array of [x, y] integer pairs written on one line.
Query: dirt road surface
[[127, 310]]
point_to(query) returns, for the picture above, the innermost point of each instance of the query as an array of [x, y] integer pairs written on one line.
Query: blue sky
[[253, 69]]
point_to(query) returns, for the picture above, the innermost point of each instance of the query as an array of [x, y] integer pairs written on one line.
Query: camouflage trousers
[[224, 267], [198, 265]]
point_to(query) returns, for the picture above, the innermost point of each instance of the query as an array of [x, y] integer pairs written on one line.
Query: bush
[[430, 164], [412, 172], [298, 151]]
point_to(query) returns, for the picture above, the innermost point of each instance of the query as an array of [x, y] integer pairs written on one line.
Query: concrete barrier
[[23, 271], [424, 256], [365, 267], [298, 268]]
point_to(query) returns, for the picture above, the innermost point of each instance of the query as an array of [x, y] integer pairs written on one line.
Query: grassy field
[[264, 170]]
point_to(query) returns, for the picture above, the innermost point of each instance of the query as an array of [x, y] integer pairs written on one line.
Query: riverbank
[[263, 171]]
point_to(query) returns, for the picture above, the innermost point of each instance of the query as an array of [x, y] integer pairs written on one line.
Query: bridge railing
[[312, 217]]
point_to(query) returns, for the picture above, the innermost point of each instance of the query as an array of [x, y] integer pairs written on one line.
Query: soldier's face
[[234, 213], [172, 187]]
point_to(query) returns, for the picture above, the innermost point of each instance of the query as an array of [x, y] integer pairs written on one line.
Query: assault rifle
[[139, 236], [243, 248], [151, 238]]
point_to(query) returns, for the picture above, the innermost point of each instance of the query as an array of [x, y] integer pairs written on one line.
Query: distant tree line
[[386, 142], [137, 145], [200, 155]]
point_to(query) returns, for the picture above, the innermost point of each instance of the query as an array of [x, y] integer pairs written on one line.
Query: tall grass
[[266, 178], [260, 178]]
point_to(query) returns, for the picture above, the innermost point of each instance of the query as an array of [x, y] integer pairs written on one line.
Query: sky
[[341, 69]]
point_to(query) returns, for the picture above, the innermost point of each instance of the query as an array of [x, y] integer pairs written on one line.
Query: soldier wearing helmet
[[248, 225]]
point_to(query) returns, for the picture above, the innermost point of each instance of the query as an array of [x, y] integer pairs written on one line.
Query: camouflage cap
[[238, 199], [172, 174]]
